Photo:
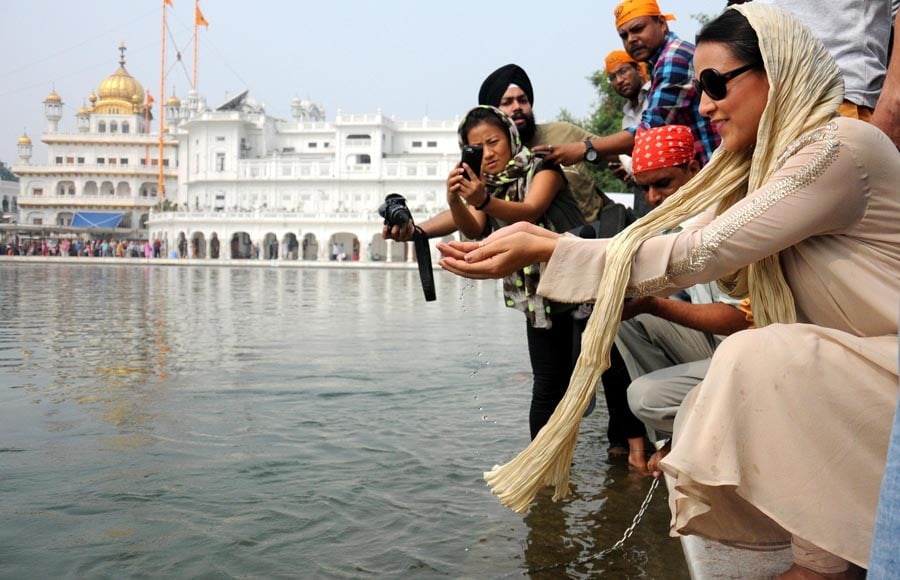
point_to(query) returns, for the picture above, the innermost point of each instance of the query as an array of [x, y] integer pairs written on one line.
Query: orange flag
[[149, 98], [169, 2], [200, 20]]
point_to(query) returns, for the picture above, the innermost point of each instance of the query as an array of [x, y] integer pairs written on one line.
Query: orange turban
[[615, 58], [631, 9], [619, 57], [659, 147]]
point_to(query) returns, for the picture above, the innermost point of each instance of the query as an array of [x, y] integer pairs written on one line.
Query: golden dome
[[121, 86], [92, 97], [53, 98], [119, 93], [84, 111], [173, 101], [24, 139]]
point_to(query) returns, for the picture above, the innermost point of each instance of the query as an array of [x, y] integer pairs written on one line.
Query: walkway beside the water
[[708, 560], [87, 261]]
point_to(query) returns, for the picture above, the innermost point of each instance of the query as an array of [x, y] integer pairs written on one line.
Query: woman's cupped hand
[[500, 254]]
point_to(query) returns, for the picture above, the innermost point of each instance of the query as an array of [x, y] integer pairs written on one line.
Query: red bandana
[[664, 146]]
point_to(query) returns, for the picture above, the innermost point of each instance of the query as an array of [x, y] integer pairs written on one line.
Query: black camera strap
[[423, 259]]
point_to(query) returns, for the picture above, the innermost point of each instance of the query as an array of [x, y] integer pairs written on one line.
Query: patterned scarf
[[512, 184]]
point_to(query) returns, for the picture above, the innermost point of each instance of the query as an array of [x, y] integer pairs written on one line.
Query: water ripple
[[255, 423]]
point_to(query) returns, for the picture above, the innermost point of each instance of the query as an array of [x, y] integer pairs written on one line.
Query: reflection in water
[[86, 342], [268, 422], [571, 538], [549, 545]]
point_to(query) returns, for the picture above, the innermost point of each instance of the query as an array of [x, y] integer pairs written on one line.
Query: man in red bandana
[[667, 342], [662, 161]]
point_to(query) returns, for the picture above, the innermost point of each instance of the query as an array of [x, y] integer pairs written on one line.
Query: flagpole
[[147, 108], [160, 185], [196, 28]]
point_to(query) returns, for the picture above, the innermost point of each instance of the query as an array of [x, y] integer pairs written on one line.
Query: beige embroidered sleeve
[[819, 190]]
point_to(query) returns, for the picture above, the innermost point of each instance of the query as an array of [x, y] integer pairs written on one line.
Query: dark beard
[[634, 92], [526, 131]]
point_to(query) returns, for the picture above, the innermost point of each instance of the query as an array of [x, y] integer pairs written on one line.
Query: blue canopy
[[96, 219]]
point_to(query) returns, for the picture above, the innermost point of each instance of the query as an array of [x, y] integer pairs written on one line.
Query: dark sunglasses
[[713, 83]]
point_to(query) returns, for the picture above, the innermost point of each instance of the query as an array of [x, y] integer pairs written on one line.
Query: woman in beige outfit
[[786, 437]]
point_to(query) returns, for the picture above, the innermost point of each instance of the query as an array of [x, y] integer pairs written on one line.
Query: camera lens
[[399, 215], [394, 211]]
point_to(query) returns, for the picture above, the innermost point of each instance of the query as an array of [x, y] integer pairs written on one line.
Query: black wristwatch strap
[[483, 204]]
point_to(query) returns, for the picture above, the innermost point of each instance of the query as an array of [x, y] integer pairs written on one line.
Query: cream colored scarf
[[805, 89]]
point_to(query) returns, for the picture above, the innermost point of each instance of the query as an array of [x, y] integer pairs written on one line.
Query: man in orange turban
[[628, 78], [631, 9], [616, 58], [672, 99]]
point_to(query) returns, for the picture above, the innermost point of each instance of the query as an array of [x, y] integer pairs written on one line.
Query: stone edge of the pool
[[709, 560]]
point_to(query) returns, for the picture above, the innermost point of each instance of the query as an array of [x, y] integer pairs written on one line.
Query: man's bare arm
[[435, 227]]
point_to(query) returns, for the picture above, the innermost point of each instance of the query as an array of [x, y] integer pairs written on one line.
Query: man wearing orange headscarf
[[672, 99], [628, 78]]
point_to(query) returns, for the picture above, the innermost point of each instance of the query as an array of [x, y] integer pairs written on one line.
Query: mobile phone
[[471, 156]]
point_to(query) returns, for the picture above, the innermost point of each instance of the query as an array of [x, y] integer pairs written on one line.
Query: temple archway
[[269, 250], [343, 246], [291, 247], [198, 245], [214, 246], [241, 246], [309, 247], [378, 248], [181, 245]]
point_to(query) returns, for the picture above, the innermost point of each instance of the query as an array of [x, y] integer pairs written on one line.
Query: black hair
[[732, 28], [481, 115]]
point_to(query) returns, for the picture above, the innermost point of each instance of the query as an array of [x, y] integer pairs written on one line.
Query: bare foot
[[617, 451], [638, 460], [653, 464], [637, 455], [798, 572]]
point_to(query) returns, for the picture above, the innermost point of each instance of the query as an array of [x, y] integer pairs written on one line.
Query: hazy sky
[[409, 58]]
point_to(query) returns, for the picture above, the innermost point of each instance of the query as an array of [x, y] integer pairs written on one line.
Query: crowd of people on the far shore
[[100, 248]]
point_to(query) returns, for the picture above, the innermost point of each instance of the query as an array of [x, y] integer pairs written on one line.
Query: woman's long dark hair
[[732, 28]]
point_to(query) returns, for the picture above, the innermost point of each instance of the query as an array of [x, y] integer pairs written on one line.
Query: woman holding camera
[[798, 208], [516, 186]]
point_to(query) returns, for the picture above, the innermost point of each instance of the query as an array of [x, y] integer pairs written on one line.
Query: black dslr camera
[[396, 213]]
